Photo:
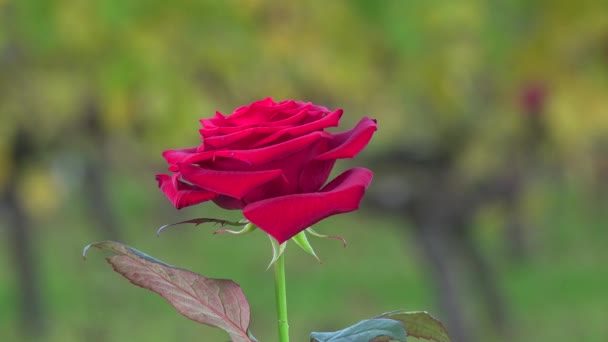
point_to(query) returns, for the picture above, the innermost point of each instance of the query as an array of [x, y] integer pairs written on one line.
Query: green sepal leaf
[[198, 221], [277, 250], [319, 235], [302, 240], [216, 302], [369, 330], [249, 227], [420, 324]]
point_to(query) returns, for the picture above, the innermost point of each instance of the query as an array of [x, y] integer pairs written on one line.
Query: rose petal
[[283, 217], [314, 107], [176, 156], [330, 120], [348, 144], [186, 155], [228, 203], [292, 119], [274, 152], [313, 113], [210, 132], [246, 137], [180, 193], [258, 112], [270, 105], [231, 183], [220, 125], [314, 175], [217, 121], [292, 166]]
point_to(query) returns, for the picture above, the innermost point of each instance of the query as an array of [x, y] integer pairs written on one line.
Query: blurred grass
[[559, 295]]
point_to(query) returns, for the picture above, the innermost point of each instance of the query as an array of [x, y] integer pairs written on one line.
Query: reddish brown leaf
[[198, 221], [215, 302]]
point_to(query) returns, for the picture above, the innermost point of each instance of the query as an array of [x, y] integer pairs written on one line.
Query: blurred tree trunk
[[442, 207], [438, 253], [515, 231], [95, 169], [21, 243], [484, 277], [25, 264], [97, 199]]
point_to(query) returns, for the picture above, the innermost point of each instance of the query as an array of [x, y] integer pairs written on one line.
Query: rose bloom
[[272, 161]]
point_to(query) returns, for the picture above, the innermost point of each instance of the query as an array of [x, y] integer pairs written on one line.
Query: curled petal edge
[[182, 194], [230, 183], [349, 143], [284, 217]]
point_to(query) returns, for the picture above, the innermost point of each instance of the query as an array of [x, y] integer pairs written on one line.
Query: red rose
[[271, 160]]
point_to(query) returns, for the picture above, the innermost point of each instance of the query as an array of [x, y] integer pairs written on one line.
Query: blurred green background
[[488, 207]]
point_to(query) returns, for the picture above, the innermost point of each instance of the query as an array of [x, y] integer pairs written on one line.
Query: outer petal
[[218, 120], [348, 144], [178, 155], [187, 155], [283, 217], [228, 203], [180, 193], [314, 175], [230, 183]]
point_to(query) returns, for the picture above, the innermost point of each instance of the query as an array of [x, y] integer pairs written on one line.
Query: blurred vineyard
[[489, 203]]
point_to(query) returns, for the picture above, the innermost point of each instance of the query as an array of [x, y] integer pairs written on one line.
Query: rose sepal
[[277, 250], [302, 240], [323, 236]]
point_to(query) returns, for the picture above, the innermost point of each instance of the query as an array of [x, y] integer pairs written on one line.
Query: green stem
[[281, 298]]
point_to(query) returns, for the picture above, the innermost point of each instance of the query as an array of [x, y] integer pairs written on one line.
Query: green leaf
[[420, 325], [216, 302], [198, 221], [369, 330], [301, 240]]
